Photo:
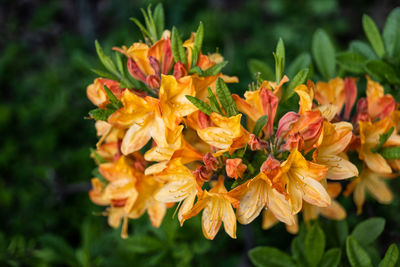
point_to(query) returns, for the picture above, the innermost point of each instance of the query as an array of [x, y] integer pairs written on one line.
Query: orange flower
[[379, 104], [217, 208], [235, 168], [97, 95]]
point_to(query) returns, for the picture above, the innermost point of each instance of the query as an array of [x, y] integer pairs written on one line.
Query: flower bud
[[202, 174], [204, 120], [235, 168], [153, 81], [270, 167], [155, 64], [167, 59], [210, 162], [294, 141], [350, 93], [179, 70], [256, 143], [286, 122], [135, 71], [269, 103]]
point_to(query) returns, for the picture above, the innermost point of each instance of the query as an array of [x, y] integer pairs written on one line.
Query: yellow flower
[[257, 194], [369, 136], [217, 208], [336, 137], [300, 179], [143, 118], [173, 101], [226, 134], [331, 92], [372, 182], [379, 104], [180, 185]]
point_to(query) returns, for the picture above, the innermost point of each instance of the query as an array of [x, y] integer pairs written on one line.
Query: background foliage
[[46, 50]]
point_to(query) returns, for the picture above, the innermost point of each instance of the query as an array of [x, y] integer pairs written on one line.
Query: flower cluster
[[171, 132]]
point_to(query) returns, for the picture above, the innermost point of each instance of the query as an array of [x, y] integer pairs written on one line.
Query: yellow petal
[[156, 168], [186, 206], [375, 161], [338, 168], [228, 218], [136, 137], [315, 193], [156, 213], [295, 197], [268, 219], [211, 221], [359, 196], [280, 207], [377, 188], [335, 211]]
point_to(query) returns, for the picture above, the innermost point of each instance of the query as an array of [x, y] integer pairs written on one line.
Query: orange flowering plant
[[171, 135]]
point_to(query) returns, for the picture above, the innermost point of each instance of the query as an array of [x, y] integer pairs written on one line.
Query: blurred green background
[[46, 50]]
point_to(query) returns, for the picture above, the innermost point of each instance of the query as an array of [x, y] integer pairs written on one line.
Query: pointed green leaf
[[198, 42], [113, 99], [324, 54], [314, 245], [260, 124], [214, 70], [390, 152], [391, 33], [279, 56], [257, 66], [363, 49], [120, 65], [373, 35], [351, 61], [373, 226], [159, 19], [214, 102], [101, 114], [178, 51], [99, 159], [391, 257], [200, 104], [141, 243], [382, 140], [104, 74], [300, 78], [149, 23], [382, 70], [142, 28], [302, 61], [331, 258], [225, 98], [356, 254], [270, 257], [107, 62], [297, 248]]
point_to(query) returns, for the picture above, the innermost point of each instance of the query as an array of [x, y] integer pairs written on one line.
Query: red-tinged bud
[[210, 162], [269, 103], [202, 174], [139, 93], [286, 122], [256, 143], [362, 111], [155, 64], [153, 81], [294, 141], [204, 120], [139, 163], [350, 93], [118, 202], [179, 70], [270, 167], [235, 168], [167, 59], [135, 71], [313, 130], [386, 104]]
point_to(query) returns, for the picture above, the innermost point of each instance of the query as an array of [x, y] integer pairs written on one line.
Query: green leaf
[[142, 28], [391, 257], [382, 70], [363, 48], [342, 231], [213, 102], [257, 66], [198, 43], [367, 231], [200, 104], [351, 61], [324, 54], [260, 124], [356, 254], [331, 258], [104, 74], [314, 245], [214, 70], [120, 65], [270, 257], [225, 98], [300, 78], [101, 114], [178, 51], [391, 33], [113, 99], [391, 152], [373, 35], [159, 19], [279, 60], [302, 61], [107, 62], [151, 27], [382, 140], [142, 243], [297, 248]]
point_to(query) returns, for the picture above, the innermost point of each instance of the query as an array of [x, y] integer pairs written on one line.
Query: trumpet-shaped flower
[[336, 137], [217, 208]]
